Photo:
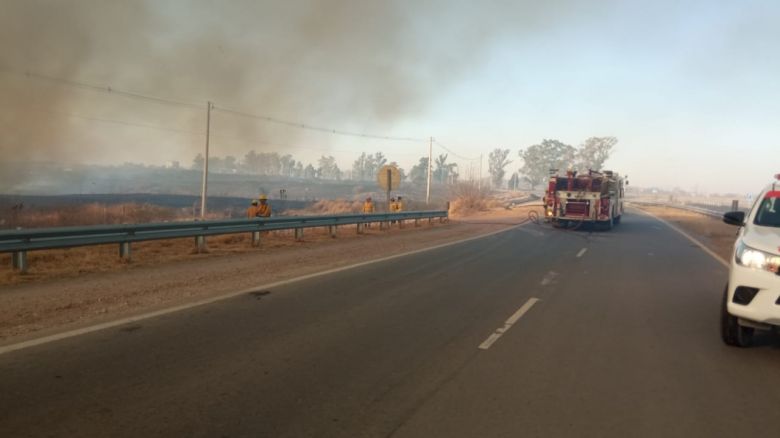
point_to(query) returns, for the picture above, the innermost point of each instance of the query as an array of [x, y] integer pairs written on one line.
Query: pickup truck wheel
[[731, 332]]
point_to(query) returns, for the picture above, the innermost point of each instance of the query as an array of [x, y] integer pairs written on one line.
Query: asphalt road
[[603, 334]]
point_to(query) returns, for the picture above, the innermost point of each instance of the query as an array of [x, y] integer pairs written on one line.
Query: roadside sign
[[389, 177]]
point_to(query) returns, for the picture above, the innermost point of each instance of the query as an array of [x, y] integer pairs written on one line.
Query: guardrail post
[[382, 225], [400, 223], [200, 244], [124, 251], [299, 234], [430, 221], [417, 222], [359, 228], [332, 230], [19, 261], [255, 238]]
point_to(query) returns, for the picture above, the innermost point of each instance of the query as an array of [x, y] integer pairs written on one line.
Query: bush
[[467, 197]]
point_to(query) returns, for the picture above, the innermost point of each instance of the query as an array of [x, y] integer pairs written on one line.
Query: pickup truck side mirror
[[734, 218]]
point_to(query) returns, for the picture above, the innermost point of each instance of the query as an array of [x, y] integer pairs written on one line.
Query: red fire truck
[[592, 197]]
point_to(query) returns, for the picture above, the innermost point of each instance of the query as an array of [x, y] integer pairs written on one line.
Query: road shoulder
[[35, 310]]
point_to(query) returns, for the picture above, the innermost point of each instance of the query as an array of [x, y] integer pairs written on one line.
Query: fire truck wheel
[[730, 330]]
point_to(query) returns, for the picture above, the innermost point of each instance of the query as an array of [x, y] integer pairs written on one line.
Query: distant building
[[172, 165]]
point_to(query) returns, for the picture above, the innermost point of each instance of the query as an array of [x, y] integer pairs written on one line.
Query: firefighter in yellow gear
[[399, 204], [251, 212], [264, 209], [393, 207], [368, 206]]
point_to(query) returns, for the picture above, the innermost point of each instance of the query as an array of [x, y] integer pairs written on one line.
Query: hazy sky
[[691, 89]]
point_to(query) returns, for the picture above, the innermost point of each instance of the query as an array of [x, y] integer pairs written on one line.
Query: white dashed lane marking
[[548, 278], [487, 343]]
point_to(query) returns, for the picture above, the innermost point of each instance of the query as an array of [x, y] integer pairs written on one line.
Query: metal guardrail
[[19, 242], [711, 213]]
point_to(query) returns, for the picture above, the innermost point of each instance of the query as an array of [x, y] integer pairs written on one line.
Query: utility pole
[[430, 158], [204, 188]]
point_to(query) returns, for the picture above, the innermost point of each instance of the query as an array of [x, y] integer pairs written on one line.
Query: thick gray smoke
[[345, 63]]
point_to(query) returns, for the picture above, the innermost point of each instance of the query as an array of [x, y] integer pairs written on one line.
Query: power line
[[316, 128], [453, 153], [300, 125], [107, 89], [199, 133], [114, 121]]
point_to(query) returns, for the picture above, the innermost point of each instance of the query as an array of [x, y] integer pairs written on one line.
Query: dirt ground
[[718, 236], [67, 289]]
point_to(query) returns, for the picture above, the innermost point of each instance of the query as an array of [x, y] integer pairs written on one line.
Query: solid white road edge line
[[582, 251], [106, 325], [487, 343], [689, 237]]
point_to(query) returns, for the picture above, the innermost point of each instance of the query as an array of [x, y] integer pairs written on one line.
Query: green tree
[[251, 162], [359, 167], [592, 154], [497, 162], [419, 172], [310, 172], [444, 171], [366, 166], [379, 161], [287, 164], [328, 169], [540, 158], [269, 163]]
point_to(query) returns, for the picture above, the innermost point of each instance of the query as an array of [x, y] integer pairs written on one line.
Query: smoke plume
[[353, 64]]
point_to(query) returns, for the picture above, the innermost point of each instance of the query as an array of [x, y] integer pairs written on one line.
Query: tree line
[[537, 161], [364, 168], [272, 164]]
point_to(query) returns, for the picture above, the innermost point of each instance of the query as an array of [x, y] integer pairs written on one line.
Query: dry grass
[[468, 198], [93, 214], [72, 262], [326, 206], [345, 206]]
